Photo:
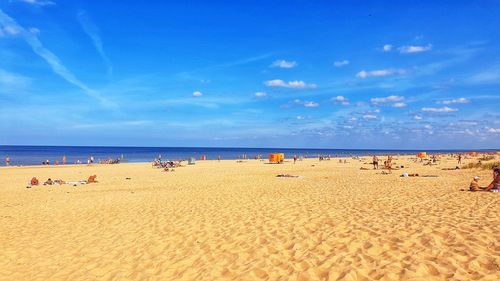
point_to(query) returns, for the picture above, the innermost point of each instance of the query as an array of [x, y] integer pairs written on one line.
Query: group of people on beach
[[35, 182]]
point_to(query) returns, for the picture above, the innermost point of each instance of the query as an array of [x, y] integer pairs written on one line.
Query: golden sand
[[228, 220]]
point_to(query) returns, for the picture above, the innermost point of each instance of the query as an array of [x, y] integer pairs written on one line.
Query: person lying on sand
[[48, 182], [286, 176], [409, 175], [451, 169]]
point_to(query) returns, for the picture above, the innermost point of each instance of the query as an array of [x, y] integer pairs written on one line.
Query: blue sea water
[[35, 155]]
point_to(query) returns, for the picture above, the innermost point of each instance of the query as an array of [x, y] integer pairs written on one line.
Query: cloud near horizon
[[380, 73], [297, 84], [439, 110], [454, 101]]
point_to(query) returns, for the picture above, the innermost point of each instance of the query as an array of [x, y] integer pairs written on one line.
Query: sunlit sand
[[228, 220]]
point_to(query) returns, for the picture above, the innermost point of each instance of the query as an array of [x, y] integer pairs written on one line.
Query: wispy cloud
[[284, 64], [454, 101], [380, 73], [399, 104], [410, 49], [93, 32], [490, 76], [311, 104], [494, 130], [261, 94], [387, 48], [389, 99], [290, 84], [439, 109], [341, 63], [39, 3], [11, 82], [54, 62]]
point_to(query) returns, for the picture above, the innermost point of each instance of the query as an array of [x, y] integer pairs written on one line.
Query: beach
[[232, 220]]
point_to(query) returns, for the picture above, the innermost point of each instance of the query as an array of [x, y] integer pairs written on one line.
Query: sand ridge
[[237, 221]]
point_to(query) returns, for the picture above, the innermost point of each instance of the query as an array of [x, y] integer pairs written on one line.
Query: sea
[[36, 155]]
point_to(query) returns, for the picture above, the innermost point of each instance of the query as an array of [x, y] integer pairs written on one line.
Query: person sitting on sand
[[92, 179], [34, 181], [409, 175], [474, 185], [48, 182], [495, 184]]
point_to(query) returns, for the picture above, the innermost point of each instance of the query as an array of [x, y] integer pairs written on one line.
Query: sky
[[295, 74]]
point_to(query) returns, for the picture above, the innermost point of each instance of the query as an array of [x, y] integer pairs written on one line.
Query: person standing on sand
[[7, 160], [65, 160], [294, 158], [459, 158], [375, 162], [218, 158]]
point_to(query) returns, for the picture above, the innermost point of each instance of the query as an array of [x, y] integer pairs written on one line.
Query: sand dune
[[227, 220]]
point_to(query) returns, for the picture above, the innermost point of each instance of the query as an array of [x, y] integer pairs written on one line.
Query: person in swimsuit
[[375, 162], [495, 184]]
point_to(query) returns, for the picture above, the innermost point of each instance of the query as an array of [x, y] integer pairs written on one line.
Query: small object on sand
[[286, 176], [128, 178], [364, 169]]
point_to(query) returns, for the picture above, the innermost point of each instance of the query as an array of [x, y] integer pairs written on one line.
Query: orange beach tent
[[276, 157], [422, 154]]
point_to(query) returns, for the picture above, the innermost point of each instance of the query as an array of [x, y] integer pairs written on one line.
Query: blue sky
[[319, 74]]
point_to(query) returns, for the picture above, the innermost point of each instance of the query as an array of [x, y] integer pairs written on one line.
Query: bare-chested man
[[375, 162]]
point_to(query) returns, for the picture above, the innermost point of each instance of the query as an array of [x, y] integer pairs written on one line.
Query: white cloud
[[380, 73], [38, 2], [197, 94], [291, 84], [311, 104], [429, 127], [369, 116], [453, 101], [341, 63], [300, 117], [260, 94], [284, 64], [389, 99], [439, 110], [414, 49], [341, 99], [494, 130], [417, 117], [399, 104], [387, 48]]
